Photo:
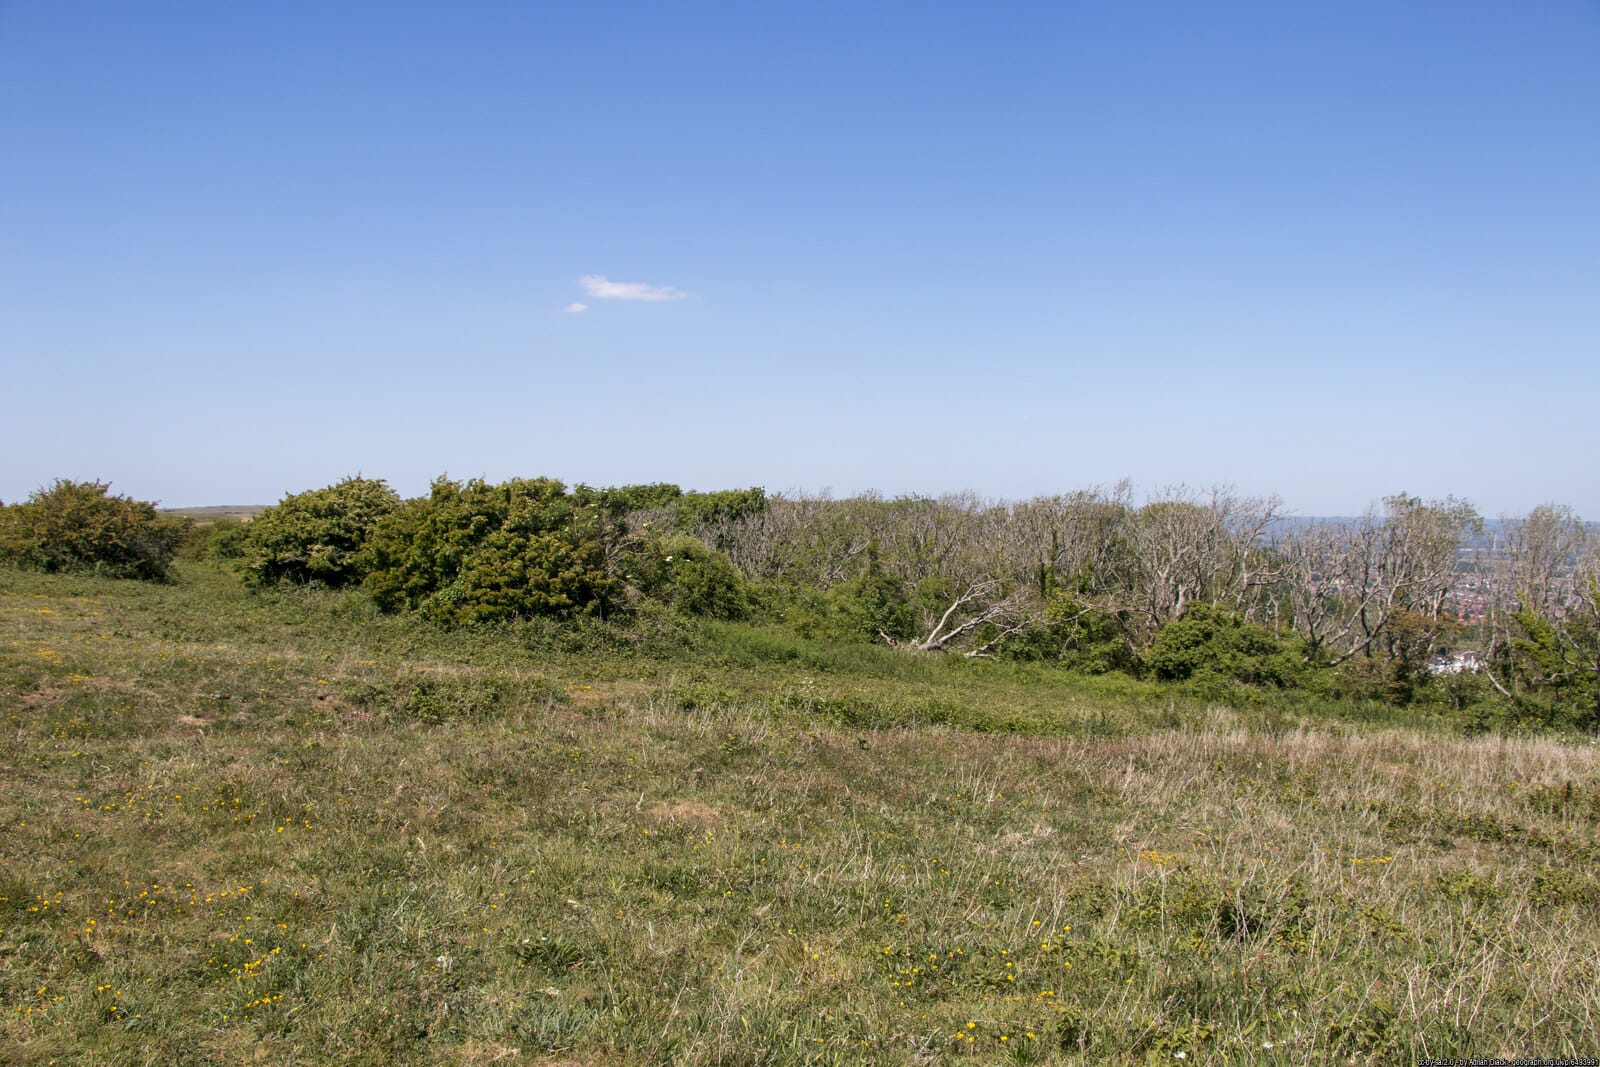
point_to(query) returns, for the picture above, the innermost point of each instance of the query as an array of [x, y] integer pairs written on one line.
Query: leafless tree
[[1545, 564], [1189, 546], [1342, 585], [1076, 541], [1347, 582], [809, 539], [983, 603], [1533, 561], [954, 537], [1328, 584]]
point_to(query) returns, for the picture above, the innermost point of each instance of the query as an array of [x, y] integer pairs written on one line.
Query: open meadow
[[753, 534], [278, 827]]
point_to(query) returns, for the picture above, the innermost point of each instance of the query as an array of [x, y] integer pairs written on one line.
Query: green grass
[[283, 829]]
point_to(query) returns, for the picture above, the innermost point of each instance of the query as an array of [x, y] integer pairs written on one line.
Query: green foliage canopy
[[1556, 660], [1207, 644], [696, 509], [221, 540], [473, 551], [319, 535], [691, 576], [80, 525], [1079, 634]]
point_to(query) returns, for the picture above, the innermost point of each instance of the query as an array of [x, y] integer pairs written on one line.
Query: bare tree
[[1190, 546], [1329, 585], [1348, 582], [1533, 561], [811, 540], [983, 603], [978, 569], [951, 537], [1541, 573], [1076, 541]]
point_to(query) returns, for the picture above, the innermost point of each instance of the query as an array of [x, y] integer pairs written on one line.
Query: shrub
[[820, 614], [221, 539], [697, 511], [691, 576], [868, 607], [318, 535], [79, 525], [1207, 644], [1555, 661], [475, 552], [1080, 635]]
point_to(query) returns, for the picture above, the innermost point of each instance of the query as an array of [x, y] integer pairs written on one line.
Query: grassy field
[[281, 829]]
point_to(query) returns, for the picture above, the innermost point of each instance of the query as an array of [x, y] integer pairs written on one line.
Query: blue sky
[[1328, 251]]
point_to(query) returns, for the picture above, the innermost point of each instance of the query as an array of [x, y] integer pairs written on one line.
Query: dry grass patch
[[606, 694], [692, 812]]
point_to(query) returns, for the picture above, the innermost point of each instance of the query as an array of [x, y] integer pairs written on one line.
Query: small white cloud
[[602, 288], [576, 309]]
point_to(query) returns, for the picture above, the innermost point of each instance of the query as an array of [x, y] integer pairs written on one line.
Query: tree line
[[1206, 587]]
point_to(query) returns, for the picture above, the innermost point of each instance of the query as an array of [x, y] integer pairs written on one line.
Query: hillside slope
[[280, 828]]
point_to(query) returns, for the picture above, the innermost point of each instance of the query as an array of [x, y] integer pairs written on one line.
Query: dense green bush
[[663, 507], [870, 607], [80, 525], [691, 576], [474, 552], [1079, 635], [216, 541], [694, 510], [819, 614], [1207, 644], [318, 535], [1555, 662]]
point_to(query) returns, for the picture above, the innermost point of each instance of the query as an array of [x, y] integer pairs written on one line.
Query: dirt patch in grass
[[345, 711], [604, 694], [43, 698], [686, 811]]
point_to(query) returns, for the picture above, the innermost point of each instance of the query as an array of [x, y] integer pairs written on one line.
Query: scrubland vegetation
[[521, 773]]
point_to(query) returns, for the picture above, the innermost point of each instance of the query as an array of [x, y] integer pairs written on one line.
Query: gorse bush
[[1078, 635], [317, 536], [80, 525], [723, 505], [478, 552], [1207, 645], [219, 540], [474, 552], [691, 576]]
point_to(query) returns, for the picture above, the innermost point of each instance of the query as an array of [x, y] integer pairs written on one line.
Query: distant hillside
[[242, 512]]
